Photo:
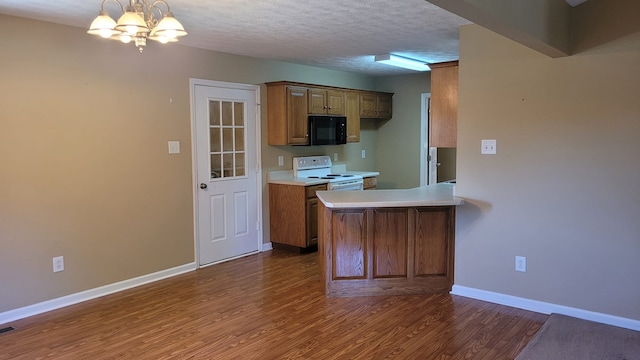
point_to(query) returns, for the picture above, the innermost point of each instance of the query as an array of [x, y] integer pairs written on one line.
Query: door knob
[[203, 186]]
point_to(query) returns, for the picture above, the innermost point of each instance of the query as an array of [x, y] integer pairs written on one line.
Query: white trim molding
[[53, 304], [544, 307], [267, 246]]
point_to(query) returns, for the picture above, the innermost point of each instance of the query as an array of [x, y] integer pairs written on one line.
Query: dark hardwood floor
[[269, 306]]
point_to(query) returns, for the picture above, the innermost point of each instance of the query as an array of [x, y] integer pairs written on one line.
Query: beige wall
[[85, 171], [543, 25], [398, 151], [564, 187]]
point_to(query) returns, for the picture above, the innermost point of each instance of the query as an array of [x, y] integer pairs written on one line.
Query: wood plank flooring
[[269, 306]]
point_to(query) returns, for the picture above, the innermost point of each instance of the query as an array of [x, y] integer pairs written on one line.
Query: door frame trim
[[425, 98], [193, 82]]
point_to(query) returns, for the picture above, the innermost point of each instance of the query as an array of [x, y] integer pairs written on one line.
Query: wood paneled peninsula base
[[387, 242]]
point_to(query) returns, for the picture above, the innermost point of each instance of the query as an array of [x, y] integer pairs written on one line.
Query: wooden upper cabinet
[[444, 105], [287, 115], [289, 105], [375, 105], [368, 105], [352, 110], [384, 106], [326, 102]]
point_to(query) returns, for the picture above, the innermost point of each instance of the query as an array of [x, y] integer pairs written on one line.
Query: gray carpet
[[563, 337]]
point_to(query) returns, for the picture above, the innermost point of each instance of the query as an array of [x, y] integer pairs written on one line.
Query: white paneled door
[[227, 171]]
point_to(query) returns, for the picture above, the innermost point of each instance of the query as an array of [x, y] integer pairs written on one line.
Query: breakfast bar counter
[[387, 242], [432, 195]]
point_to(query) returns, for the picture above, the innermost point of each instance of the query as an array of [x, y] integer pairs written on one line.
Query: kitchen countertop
[[285, 177], [431, 195]]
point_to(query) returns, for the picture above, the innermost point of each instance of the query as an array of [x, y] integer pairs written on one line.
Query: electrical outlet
[[280, 160], [521, 264], [174, 147], [58, 263], [335, 156], [364, 154], [489, 147]]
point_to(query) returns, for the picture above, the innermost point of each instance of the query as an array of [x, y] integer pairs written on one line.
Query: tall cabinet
[[444, 105], [288, 114]]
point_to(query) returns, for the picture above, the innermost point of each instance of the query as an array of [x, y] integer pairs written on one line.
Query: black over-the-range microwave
[[327, 130]]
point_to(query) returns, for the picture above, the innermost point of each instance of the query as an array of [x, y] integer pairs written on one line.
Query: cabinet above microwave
[[289, 105]]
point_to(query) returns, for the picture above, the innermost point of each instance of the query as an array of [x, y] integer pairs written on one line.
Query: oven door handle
[[351, 185]]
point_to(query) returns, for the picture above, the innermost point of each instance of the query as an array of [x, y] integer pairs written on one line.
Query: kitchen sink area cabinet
[[375, 105], [326, 102], [444, 105], [370, 183], [294, 214], [352, 111], [287, 114]]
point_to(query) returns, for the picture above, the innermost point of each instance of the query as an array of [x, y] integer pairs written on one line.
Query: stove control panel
[[311, 162]]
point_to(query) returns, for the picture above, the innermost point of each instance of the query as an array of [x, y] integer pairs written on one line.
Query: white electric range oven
[[319, 167]]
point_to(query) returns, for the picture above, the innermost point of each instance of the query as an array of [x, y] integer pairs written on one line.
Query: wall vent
[[7, 329]]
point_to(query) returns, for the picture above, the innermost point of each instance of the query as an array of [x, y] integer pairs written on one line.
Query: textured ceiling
[[333, 34]]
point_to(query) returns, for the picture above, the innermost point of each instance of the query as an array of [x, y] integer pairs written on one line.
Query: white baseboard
[[267, 246], [61, 302], [544, 307]]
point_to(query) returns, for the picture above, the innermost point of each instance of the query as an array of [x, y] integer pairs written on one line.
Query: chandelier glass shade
[[140, 20]]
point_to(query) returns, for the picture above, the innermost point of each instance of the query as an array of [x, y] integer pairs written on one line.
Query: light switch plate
[[174, 147], [489, 147], [521, 264], [58, 263]]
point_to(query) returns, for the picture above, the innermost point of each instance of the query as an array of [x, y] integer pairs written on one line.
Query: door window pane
[[227, 139], [240, 139], [227, 113], [214, 113], [215, 139], [227, 162], [216, 166], [239, 114], [240, 164]]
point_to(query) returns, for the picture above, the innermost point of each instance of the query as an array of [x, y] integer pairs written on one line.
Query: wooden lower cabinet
[[293, 214], [370, 183], [386, 251]]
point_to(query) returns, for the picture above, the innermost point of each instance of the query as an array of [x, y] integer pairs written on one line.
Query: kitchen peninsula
[[387, 242]]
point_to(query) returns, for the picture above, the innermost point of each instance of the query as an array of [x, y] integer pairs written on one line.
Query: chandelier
[[138, 22]]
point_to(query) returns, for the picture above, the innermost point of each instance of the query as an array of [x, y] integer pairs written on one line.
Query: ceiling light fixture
[[403, 62], [138, 22]]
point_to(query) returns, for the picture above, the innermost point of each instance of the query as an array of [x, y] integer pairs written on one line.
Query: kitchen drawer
[[311, 190]]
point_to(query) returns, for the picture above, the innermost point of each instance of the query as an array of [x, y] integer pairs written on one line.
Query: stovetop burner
[[319, 167]]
